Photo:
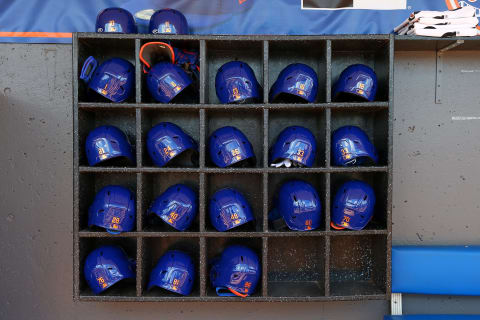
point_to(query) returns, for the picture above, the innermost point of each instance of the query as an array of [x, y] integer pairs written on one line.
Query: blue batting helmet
[[114, 79], [166, 141], [351, 146], [174, 272], [106, 266], [107, 142], [113, 209], [177, 206], [298, 203], [236, 272], [235, 82], [295, 143], [168, 21], [353, 206], [228, 146], [296, 79], [229, 209], [115, 20], [356, 81]]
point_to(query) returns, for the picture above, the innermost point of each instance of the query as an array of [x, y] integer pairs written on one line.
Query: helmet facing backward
[[298, 203], [115, 20], [351, 146], [296, 79], [236, 272], [106, 266], [166, 140], [166, 80], [358, 82], [114, 79], [168, 21], [353, 206], [113, 209], [174, 272], [229, 209], [107, 142], [229, 146], [295, 143], [235, 82], [177, 206]]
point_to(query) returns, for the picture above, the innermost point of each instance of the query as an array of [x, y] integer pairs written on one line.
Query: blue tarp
[[54, 20]]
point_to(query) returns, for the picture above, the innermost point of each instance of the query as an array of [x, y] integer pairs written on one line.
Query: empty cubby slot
[[220, 52], [91, 183], [358, 265], [186, 49], [155, 248], [249, 185], [379, 183], [312, 120], [250, 123], [154, 185], [275, 181], [102, 50], [296, 267], [187, 120], [215, 247], [283, 53], [123, 119], [373, 122], [373, 53], [125, 287]]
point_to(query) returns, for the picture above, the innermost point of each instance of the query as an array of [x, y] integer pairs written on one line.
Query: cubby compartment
[[186, 119], [155, 248], [378, 181], [103, 49], [125, 287], [215, 247], [358, 265], [276, 180], [296, 267], [189, 95], [313, 120], [250, 185], [220, 52], [312, 53], [249, 122], [153, 185], [91, 183], [374, 122], [123, 119], [374, 53]]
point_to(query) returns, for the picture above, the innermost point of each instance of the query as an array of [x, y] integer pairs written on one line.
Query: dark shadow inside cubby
[[220, 52], [123, 119], [358, 265], [190, 94], [378, 181], [312, 120], [155, 248], [126, 287], [215, 247], [153, 185], [187, 120], [103, 49], [373, 122], [312, 53], [296, 267], [250, 122], [91, 183], [249, 185], [276, 180], [373, 53]]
